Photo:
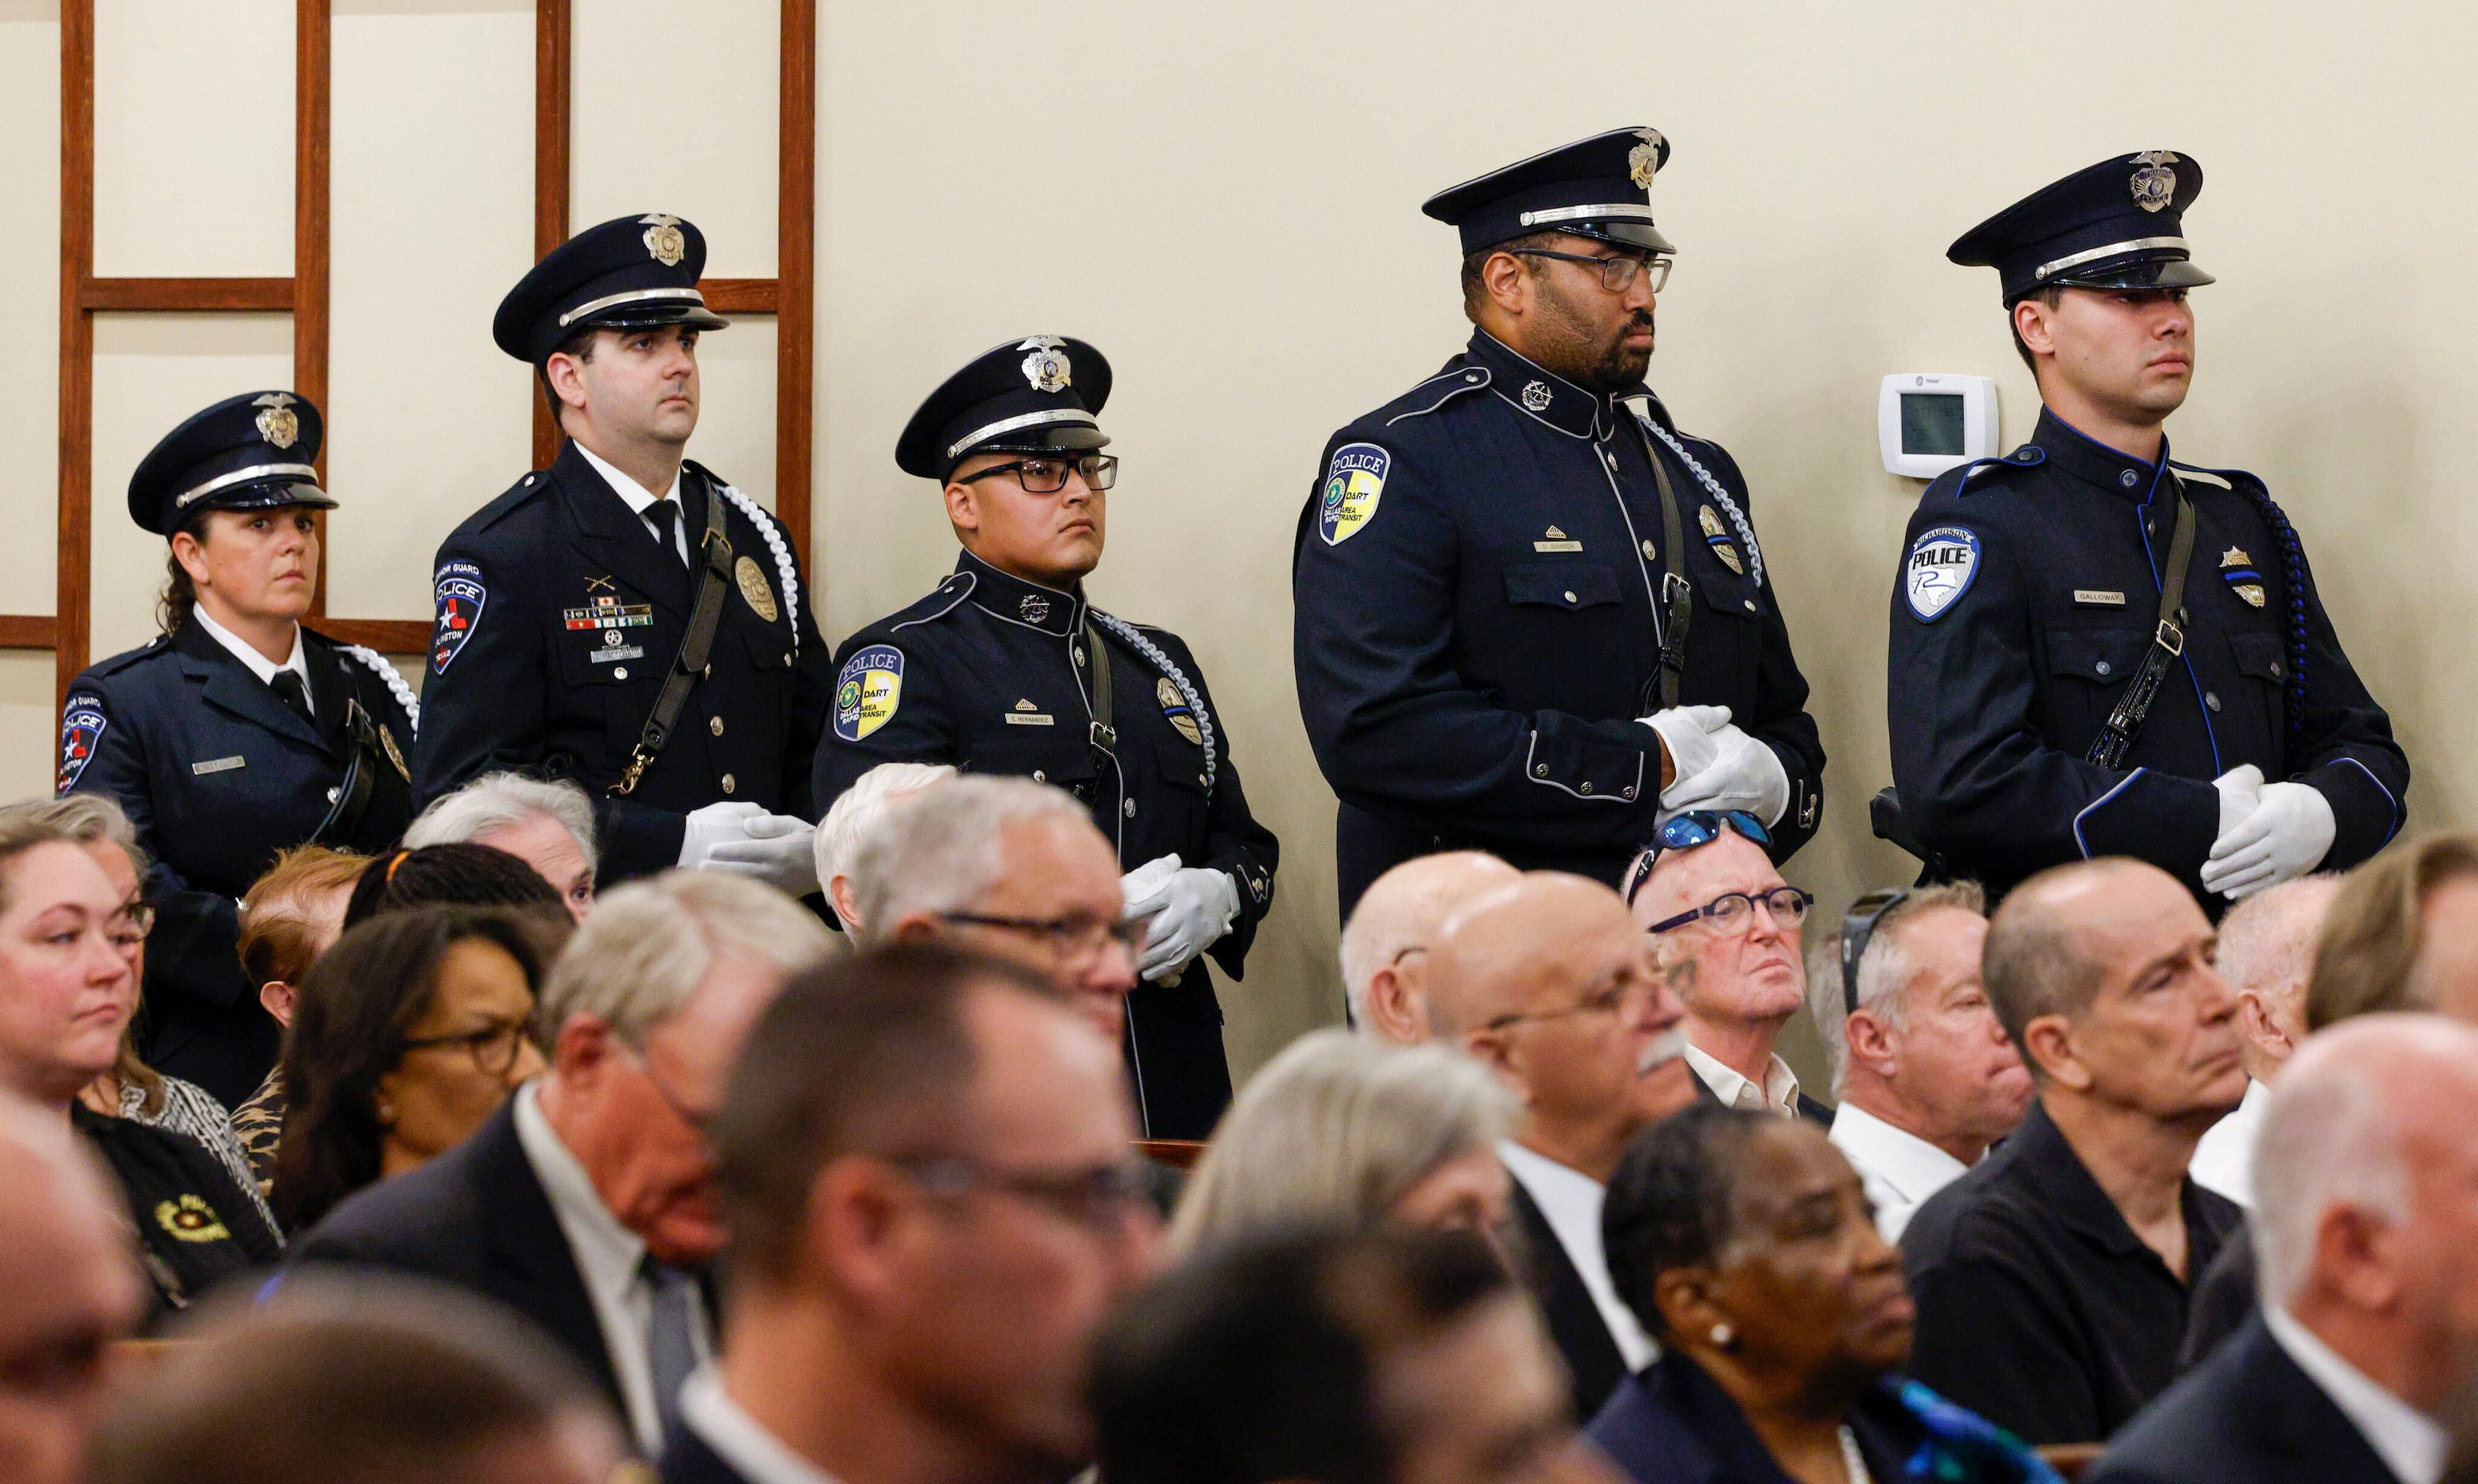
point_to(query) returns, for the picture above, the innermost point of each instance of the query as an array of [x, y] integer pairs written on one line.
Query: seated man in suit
[[2369, 1264], [1550, 983], [1386, 942], [1722, 920], [924, 1159], [2053, 1280], [587, 1202]]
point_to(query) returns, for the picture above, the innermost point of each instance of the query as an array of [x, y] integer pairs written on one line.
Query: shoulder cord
[[2292, 572], [1737, 517], [1186, 689], [403, 693], [783, 568]]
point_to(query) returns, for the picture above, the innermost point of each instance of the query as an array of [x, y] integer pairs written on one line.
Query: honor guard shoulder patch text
[[82, 726], [1353, 483], [1941, 563], [753, 590], [868, 692], [460, 595], [1175, 706]]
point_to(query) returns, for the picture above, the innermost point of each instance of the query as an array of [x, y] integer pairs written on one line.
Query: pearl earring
[[1723, 1335]]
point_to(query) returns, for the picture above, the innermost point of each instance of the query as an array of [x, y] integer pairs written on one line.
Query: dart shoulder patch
[[82, 727], [460, 596], [1354, 481], [869, 692]]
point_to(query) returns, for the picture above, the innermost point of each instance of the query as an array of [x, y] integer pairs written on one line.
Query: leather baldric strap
[[1102, 735], [689, 665], [362, 763], [2117, 736], [1677, 592]]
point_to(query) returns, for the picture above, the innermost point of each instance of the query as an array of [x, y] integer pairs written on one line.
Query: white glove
[[2283, 838], [774, 848], [1190, 909], [1747, 775], [712, 827], [1686, 733]]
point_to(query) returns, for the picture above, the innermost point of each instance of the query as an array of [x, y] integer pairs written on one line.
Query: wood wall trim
[[73, 562], [169, 295], [554, 33], [28, 631], [740, 296], [796, 279], [313, 82], [387, 636]]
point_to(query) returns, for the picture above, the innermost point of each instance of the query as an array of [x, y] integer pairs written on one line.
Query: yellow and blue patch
[[1353, 483], [869, 692]]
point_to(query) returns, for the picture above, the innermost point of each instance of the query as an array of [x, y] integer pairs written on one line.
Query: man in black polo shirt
[[2052, 1281]]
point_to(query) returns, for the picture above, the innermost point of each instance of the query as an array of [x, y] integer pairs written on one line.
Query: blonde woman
[[1343, 1129]]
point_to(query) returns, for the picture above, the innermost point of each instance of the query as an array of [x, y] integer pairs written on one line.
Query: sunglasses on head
[[1684, 832], [1857, 930]]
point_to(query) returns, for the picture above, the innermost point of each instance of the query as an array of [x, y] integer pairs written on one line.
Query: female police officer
[[237, 732]]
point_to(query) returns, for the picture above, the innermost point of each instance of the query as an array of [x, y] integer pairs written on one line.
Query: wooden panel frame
[[790, 296]]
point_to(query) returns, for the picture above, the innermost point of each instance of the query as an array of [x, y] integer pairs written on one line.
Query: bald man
[[1549, 983], [68, 1288], [2052, 1281], [2267, 955], [1385, 944]]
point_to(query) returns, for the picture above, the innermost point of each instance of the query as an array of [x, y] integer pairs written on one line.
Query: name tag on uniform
[[1018, 718], [1556, 545], [2091, 597], [624, 652], [219, 765]]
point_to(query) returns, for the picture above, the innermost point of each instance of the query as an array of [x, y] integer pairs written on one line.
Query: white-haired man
[[1924, 1078], [855, 813], [586, 1204], [2267, 955], [548, 824], [1386, 942], [2368, 1236]]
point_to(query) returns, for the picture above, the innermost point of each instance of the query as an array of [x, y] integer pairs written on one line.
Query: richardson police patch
[[460, 595], [1353, 483], [868, 692], [81, 724], [1940, 566]]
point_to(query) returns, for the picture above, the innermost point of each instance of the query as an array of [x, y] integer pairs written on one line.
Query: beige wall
[[1225, 198]]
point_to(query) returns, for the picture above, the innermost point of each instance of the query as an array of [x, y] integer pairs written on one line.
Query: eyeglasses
[[1617, 271], [127, 929], [1099, 1199], [1077, 936], [1048, 476], [1857, 930], [494, 1047], [1608, 1002], [1734, 912], [1686, 831]]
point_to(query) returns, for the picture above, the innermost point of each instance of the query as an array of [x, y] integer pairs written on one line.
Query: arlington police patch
[[868, 692], [1353, 483], [1940, 568]]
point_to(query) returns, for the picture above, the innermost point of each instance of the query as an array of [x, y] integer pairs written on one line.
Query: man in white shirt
[[587, 1204], [1386, 943], [2267, 956], [2368, 1238], [1550, 983], [1924, 1076]]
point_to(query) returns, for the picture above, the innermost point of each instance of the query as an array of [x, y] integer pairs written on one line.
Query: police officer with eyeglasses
[[1007, 669], [1531, 615]]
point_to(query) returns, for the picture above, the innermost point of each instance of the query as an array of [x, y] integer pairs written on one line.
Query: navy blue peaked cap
[[629, 272], [1599, 187], [2119, 224], [1033, 396], [254, 451]]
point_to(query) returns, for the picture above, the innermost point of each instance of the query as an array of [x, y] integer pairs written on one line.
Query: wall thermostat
[[1927, 422]]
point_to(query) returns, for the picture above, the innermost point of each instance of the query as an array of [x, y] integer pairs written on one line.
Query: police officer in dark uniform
[[624, 618], [1531, 615], [241, 732], [2097, 650], [1006, 668]]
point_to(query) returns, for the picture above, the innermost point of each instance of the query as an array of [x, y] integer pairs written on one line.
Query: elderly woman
[[1343, 1129], [466, 875], [409, 1034], [1745, 1244]]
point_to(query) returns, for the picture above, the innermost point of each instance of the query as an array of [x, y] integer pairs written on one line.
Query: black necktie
[[665, 516], [287, 684], [671, 1349]]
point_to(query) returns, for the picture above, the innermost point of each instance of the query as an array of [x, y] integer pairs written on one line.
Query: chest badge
[[753, 590], [1535, 396], [1718, 539], [1556, 541], [395, 754], [2236, 569], [1182, 719]]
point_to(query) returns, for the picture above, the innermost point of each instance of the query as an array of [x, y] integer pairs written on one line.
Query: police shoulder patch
[[1940, 568], [869, 690], [1353, 483], [460, 595], [82, 726]]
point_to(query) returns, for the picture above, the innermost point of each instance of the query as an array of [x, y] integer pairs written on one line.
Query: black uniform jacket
[[1674, 1424], [1473, 585], [2248, 1416], [2038, 1308], [1995, 699], [558, 617], [1594, 1364], [218, 775]]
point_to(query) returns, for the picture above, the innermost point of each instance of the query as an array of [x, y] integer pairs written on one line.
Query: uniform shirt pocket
[[1568, 585], [1062, 757], [2091, 664], [2265, 658]]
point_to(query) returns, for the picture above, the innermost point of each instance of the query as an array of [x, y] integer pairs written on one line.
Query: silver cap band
[[254, 472], [632, 296], [2114, 249], [1028, 421], [1624, 211]]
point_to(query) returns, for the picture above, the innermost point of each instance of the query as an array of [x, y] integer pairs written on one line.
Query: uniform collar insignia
[[1021, 602], [2074, 452], [1542, 392]]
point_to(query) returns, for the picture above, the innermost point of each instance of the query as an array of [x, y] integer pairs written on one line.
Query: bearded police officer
[[1007, 669], [2097, 650], [1532, 616], [626, 619]]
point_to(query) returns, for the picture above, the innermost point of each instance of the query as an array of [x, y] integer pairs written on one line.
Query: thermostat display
[[1927, 422]]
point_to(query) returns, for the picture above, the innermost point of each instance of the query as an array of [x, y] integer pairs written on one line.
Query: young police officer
[[1531, 615], [626, 619], [1006, 668], [2097, 650]]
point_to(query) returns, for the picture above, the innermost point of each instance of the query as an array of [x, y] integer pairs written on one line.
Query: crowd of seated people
[[689, 1178]]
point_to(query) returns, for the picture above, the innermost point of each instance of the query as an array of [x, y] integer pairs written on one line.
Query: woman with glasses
[[1008, 668], [408, 1035]]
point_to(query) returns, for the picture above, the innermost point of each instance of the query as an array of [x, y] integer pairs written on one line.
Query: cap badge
[[663, 239], [1035, 607], [278, 424], [1046, 368], [2155, 185], [1535, 396], [1643, 161]]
